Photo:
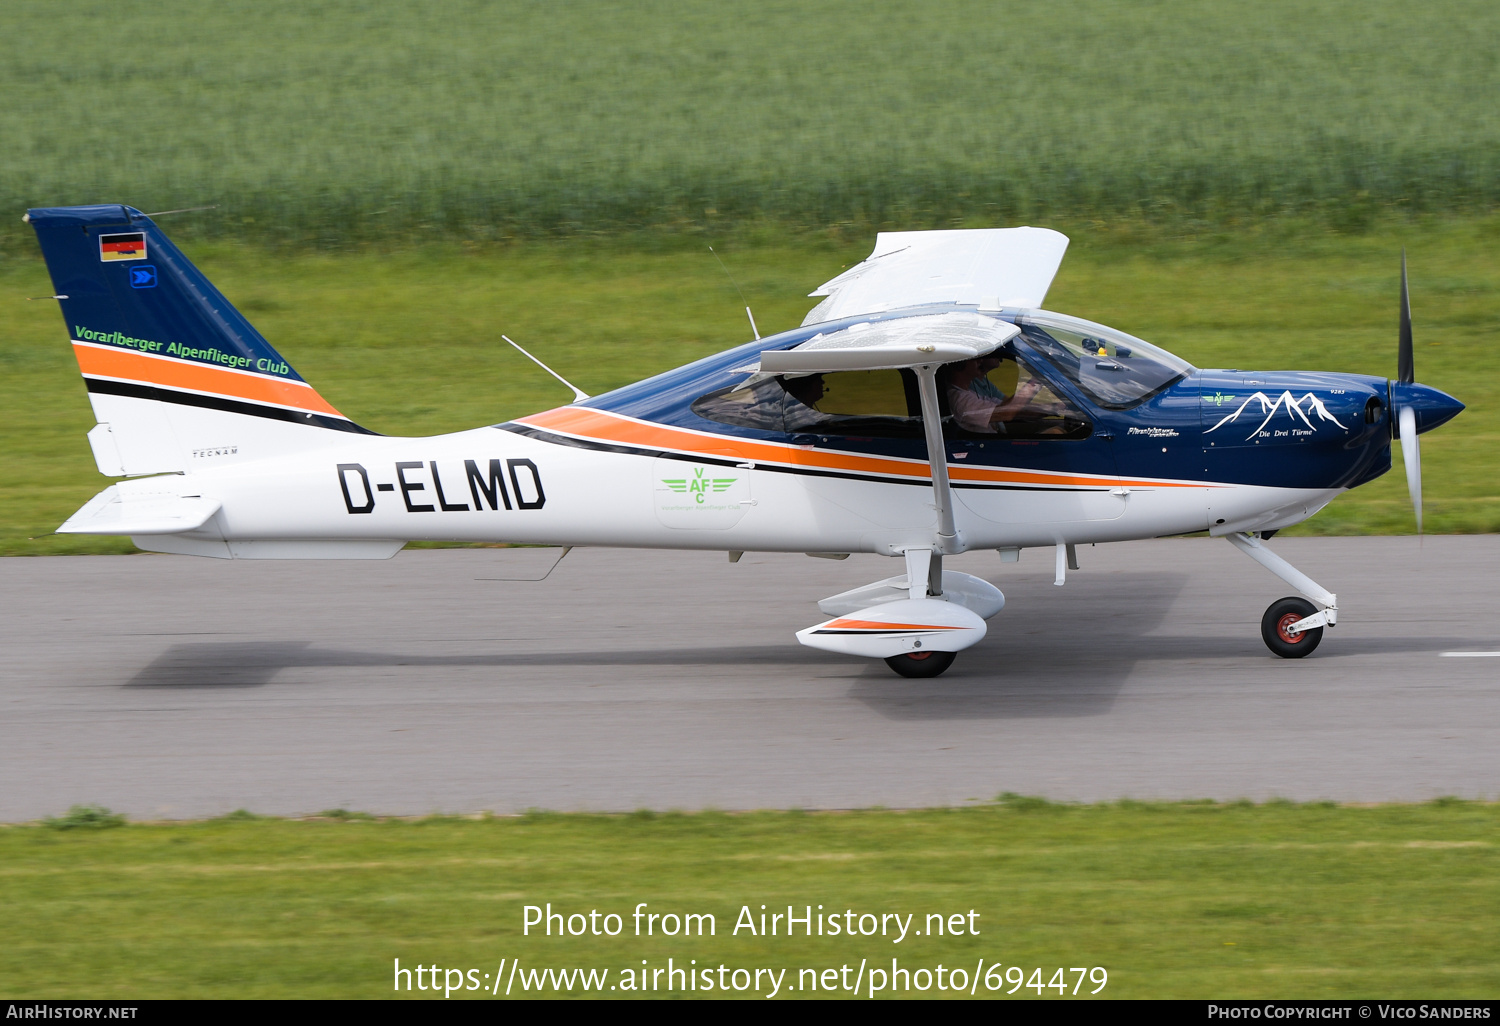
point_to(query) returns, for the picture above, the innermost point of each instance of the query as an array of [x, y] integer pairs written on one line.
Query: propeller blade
[[1405, 369], [1411, 454]]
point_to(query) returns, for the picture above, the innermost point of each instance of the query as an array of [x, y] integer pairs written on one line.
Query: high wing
[[886, 345], [990, 268]]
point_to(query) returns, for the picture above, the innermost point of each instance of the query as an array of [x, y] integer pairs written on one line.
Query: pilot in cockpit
[[977, 403]]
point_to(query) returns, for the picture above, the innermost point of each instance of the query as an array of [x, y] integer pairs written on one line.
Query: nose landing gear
[[1291, 627]]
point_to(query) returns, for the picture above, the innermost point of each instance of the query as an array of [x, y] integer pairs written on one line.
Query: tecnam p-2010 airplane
[[927, 406]]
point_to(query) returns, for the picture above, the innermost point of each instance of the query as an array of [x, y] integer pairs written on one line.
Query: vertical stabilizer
[[176, 374]]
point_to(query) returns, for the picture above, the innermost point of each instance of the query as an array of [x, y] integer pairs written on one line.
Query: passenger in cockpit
[[800, 407], [768, 403]]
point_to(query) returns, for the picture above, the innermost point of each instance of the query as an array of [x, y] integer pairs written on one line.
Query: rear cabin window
[[880, 403]]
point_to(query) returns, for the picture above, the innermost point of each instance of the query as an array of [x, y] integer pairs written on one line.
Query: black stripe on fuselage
[[215, 402], [630, 450]]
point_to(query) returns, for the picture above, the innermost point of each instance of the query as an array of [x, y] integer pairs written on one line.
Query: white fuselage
[[724, 495]]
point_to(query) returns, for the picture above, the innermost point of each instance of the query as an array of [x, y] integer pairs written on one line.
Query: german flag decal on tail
[[128, 246]]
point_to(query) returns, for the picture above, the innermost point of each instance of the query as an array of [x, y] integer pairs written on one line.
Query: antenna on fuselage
[[578, 394], [183, 210], [753, 329]]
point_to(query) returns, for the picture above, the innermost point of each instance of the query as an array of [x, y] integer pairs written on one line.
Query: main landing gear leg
[[1291, 627], [918, 634]]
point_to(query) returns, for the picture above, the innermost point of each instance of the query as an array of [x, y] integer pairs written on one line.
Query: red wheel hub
[[1282, 632], [919, 655]]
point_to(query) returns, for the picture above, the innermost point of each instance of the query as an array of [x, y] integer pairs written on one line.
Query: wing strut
[[937, 458]]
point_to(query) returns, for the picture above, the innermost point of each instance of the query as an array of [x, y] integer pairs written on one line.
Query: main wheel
[[921, 664], [1281, 615]]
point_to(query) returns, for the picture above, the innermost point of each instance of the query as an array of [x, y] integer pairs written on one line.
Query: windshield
[[1112, 368]]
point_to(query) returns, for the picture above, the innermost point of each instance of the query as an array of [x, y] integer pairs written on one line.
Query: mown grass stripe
[[332, 124]]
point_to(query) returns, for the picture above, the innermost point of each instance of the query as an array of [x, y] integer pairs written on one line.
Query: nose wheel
[[921, 664], [1275, 628]]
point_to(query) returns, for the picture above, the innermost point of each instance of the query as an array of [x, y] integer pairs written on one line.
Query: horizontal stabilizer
[[991, 268], [114, 512], [274, 548]]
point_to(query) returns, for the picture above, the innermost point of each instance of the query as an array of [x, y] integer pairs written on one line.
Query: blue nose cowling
[[1433, 408]]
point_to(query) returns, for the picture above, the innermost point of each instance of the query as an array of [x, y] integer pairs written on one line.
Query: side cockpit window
[[1001, 396], [996, 396], [858, 403]]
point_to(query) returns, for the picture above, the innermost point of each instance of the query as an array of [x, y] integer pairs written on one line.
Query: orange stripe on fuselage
[[106, 362], [602, 426]]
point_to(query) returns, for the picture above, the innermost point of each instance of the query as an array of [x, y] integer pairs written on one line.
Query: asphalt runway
[[167, 686]]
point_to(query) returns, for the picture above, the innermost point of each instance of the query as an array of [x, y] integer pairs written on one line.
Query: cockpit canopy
[[1113, 369], [1003, 387]]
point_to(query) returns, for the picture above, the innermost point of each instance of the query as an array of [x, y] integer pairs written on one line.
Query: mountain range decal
[[1269, 408]]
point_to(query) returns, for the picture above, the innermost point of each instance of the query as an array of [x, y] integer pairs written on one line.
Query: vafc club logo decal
[[126, 246], [143, 277], [699, 486], [709, 495]]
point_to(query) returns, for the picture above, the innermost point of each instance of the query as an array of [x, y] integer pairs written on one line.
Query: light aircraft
[[927, 406]]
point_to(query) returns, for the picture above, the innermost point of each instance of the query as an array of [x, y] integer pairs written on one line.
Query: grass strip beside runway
[[1174, 900], [407, 341]]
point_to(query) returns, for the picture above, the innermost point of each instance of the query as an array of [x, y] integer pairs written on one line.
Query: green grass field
[[335, 121], [1185, 900], [407, 340]]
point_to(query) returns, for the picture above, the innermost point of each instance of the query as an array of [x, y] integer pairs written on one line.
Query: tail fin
[[176, 375]]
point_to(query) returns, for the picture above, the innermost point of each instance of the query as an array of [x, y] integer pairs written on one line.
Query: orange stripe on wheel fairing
[[601, 426], [875, 625], [120, 363]]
